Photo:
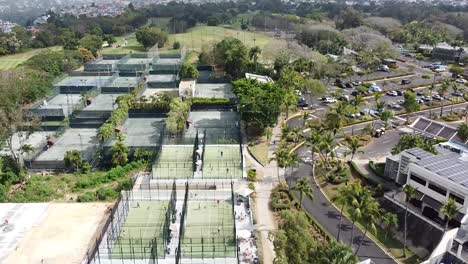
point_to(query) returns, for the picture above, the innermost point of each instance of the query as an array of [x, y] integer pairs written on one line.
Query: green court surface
[[144, 225], [222, 162], [174, 162], [209, 230]]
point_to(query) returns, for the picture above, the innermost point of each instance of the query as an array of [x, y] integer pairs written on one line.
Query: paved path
[[328, 216]]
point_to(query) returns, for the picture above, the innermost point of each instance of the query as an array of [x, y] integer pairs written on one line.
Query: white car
[[375, 88], [329, 100], [462, 81], [392, 93]]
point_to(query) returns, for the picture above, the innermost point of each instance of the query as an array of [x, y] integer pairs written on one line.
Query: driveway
[[328, 216]]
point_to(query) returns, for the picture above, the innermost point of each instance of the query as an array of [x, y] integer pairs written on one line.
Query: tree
[[177, 116], [68, 40], [343, 200], [313, 142], [442, 91], [449, 210], [410, 104], [370, 216], [110, 39], [258, 103], [73, 159], [119, 151], [410, 193], [389, 221], [86, 54], [385, 116], [334, 121], [253, 54], [176, 45], [409, 141], [335, 253], [356, 102], [280, 155], [353, 144], [232, 55], [148, 37], [360, 198], [188, 71], [463, 131], [304, 189], [349, 18], [92, 43]]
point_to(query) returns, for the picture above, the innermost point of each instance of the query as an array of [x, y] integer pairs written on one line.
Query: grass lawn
[[260, 150], [389, 243], [132, 46], [201, 35], [11, 61]]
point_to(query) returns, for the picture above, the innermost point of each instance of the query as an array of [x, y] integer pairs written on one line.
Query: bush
[[210, 101], [86, 168], [142, 155], [86, 197], [339, 175], [281, 199], [176, 45], [188, 71], [377, 168], [106, 193], [252, 175], [251, 186], [125, 184], [426, 76]]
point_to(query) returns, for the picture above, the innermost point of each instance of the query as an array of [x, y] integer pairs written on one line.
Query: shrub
[[426, 76], [86, 168], [106, 193], [142, 155], [188, 71], [281, 198], [125, 184], [251, 186], [176, 45], [86, 197], [210, 101], [252, 175], [73, 159]]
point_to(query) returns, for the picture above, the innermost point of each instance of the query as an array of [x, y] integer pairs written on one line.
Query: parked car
[[337, 81], [356, 83], [341, 85], [437, 97], [419, 93], [329, 100], [348, 85], [383, 68], [462, 81], [400, 92], [355, 93], [427, 98], [392, 93], [375, 88], [379, 132], [395, 106], [344, 98], [405, 81], [458, 94]]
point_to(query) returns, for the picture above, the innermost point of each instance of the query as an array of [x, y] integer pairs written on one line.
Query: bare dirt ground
[[63, 236]]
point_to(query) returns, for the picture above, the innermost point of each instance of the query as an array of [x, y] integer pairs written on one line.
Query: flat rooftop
[[53, 232], [81, 139], [213, 90], [447, 164], [67, 102], [103, 102], [84, 81], [142, 132]]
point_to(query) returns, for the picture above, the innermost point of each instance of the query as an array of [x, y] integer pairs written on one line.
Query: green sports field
[[222, 162], [209, 230], [12, 61], [174, 162], [144, 224], [201, 35]]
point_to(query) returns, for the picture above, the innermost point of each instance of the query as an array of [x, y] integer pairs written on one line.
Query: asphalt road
[[327, 215]]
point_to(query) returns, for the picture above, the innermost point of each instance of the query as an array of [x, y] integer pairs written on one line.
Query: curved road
[[327, 215]]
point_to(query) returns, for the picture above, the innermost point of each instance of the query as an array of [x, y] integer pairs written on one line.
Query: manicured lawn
[[260, 151], [132, 46], [12, 61], [201, 35]]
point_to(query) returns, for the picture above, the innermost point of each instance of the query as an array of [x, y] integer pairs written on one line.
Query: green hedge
[[377, 168], [210, 101]]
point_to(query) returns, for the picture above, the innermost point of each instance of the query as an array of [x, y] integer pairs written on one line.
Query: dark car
[[355, 93], [420, 93], [337, 81], [341, 85], [400, 92], [405, 81], [349, 85]]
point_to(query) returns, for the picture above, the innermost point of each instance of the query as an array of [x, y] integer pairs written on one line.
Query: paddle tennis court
[[174, 162], [209, 230], [222, 162]]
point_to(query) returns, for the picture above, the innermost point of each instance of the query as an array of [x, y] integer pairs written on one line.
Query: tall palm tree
[[358, 200], [336, 253], [292, 160], [280, 156], [343, 200], [389, 221], [410, 192], [327, 148], [304, 189], [371, 214], [356, 102], [353, 144], [304, 118], [313, 142], [295, 134], [442, 91], [334, 122], [449, 210]]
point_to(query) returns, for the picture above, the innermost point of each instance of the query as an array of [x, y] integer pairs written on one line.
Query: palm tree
[[389, 221], [292, 160], [304, 118], [353, 144], [343, 200], [334, 122], [295, 134], [268, 133], [327, 148], [304, 189], [442, 91], [357, 101], [313, 142], [410, 192], [371, 214], [280, 156], [358, 201], [449, 210], [336, 253], [385, 116]]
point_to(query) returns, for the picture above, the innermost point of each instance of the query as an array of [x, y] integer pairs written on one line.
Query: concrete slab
[[67, 102], [103, 102], [84, 81], [142, 132]]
